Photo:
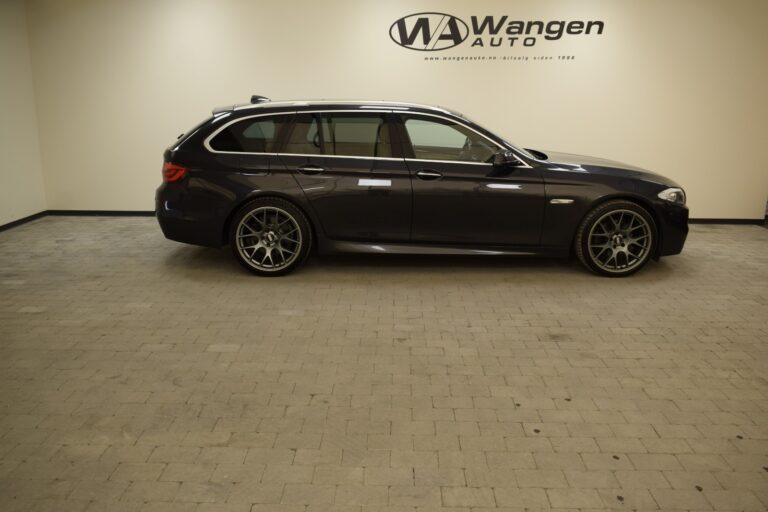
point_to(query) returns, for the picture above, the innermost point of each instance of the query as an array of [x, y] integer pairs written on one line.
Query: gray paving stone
[[139, 374]]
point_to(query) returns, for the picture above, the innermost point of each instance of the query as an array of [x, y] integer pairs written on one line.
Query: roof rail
[[259, 99], [220, 110]]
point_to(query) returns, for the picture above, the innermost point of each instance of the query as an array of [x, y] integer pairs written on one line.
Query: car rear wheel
[[270, 237], [616, 239]]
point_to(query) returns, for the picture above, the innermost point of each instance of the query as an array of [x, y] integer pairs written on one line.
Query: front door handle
[[311, 169], [426, 174]]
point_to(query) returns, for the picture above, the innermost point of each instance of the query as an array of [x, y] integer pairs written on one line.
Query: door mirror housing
[[506, 158]]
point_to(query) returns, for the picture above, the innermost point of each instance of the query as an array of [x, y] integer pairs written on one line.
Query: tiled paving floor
[[141, 374]]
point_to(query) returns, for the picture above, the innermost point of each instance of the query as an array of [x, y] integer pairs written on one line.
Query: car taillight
[[173, 172]]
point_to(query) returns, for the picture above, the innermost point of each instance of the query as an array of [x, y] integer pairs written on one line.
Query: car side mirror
[[505, 158]]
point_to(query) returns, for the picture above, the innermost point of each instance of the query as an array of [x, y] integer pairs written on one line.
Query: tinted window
[[254, 135], [357, 135], [305, 137], [441, 139], [341, 135]]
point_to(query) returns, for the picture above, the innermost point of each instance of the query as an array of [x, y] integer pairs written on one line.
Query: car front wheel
[[270, 237], [616, 239]]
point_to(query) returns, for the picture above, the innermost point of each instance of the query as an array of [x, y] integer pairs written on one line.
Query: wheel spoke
[[255, 219], [597, 256], [251, 234]]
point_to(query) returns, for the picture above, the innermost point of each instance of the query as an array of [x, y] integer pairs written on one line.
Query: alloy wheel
[[268, 238], [619, 241]]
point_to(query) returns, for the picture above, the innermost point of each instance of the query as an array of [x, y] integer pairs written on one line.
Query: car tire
[[616, 238], [270, 236]]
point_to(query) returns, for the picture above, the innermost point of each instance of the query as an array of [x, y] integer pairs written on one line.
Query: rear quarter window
[[251, 135]]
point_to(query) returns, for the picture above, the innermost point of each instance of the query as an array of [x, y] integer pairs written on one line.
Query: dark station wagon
[[275, 180]]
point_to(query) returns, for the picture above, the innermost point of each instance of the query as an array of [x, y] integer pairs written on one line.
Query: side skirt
[[335, 246]]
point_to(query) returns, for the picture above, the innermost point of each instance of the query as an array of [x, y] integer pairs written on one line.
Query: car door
[[353, 175], [459, 196]]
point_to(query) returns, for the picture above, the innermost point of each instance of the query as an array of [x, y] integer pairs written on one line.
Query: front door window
[[441, 139]]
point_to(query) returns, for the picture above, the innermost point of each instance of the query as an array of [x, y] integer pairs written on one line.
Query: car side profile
[[276, 180]]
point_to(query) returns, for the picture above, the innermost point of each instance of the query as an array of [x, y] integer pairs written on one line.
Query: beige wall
[[676, 86], [21, 179]]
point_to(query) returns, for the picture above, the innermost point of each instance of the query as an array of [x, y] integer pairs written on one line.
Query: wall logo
[[434, 31], [429, 31]]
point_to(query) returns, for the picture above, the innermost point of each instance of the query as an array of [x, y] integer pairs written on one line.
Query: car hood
[[582, 163]]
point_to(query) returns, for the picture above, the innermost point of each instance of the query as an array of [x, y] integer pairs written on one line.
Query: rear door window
[[305, 136], [341, 134], [363, 135]]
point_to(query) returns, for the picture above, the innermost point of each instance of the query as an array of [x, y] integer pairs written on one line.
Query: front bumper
[[674, 229]]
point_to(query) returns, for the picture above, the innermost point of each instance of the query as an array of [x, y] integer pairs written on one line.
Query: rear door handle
[[429, 175], [311, 169]]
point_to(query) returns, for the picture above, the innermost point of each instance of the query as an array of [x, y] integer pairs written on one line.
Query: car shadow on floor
[[433, 263], [193, 261]]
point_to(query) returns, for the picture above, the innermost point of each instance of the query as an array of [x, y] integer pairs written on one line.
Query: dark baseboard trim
[[758, 222], [78, 213], [101, 213], [24, 220]]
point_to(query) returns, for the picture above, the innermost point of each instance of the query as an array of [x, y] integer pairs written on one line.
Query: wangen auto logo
[[434, 31], [429, 31]]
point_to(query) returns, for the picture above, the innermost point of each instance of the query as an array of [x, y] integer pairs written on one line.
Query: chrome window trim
[[242, 153], [207, 145], [456, 121], [462, 162], [315, 155]]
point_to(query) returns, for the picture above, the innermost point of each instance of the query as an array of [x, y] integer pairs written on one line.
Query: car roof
[[361, 105]]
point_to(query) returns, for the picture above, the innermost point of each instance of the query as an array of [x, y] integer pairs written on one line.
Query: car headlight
[[673, 195]]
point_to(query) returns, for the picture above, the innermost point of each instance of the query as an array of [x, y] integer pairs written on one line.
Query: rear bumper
[[181, 228], [674, 229]]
